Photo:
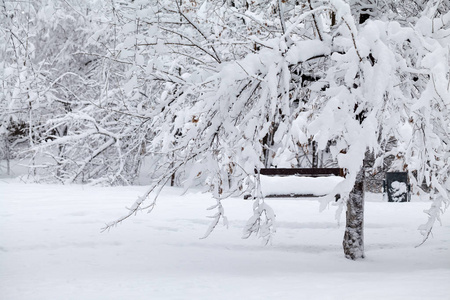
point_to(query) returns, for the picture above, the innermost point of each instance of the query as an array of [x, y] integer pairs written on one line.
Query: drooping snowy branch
[[207, 92]]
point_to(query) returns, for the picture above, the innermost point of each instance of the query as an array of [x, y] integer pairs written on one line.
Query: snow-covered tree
[[210, 91], [324, 72]]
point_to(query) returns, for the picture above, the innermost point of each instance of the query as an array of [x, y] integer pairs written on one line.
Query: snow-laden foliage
[[207, 92], [373, 82]]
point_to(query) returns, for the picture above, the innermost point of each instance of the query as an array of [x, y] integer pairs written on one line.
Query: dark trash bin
[[396, 187]]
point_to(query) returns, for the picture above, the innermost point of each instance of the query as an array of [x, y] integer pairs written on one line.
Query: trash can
[[396, 187]]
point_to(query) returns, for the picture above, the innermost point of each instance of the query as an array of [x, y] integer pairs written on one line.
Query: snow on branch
[[204, 95]]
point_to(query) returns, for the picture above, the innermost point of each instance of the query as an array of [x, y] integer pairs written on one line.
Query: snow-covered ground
[[51, 248]]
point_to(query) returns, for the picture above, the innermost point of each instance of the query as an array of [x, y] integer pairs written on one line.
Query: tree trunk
[[7, 156], [354, 230], [315, 156]]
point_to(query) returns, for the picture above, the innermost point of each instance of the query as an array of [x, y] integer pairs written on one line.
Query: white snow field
[[51, 248]]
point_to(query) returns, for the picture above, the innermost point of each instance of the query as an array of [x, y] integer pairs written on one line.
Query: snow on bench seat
[[295, 186]]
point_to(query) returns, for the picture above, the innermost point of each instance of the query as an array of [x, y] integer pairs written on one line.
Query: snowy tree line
[[207, 92]]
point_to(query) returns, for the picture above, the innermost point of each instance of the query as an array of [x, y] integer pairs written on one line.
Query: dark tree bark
[[354, 229], [315, 155]]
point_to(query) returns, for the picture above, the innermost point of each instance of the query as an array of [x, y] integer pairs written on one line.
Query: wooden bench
[[297, 172]]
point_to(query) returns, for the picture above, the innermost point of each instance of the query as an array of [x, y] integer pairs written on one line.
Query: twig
[[353, 38], [426, 238], [196, 28], [315, 21]]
